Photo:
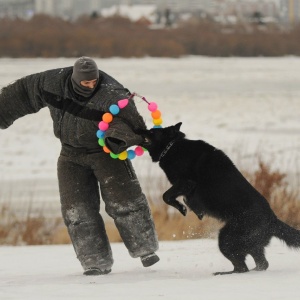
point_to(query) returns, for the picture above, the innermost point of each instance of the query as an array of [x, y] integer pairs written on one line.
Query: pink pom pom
[[139, 151], [122, 103], [152, 106], [103, 125]]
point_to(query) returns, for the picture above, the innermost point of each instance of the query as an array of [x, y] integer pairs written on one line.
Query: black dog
[[212, 185]]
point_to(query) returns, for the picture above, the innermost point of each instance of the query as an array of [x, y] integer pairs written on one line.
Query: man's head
[[85, 76]]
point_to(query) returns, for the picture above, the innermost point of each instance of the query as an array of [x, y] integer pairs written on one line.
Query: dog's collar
[[166, 149]]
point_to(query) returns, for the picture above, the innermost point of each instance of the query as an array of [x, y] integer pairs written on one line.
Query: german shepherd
[[211, 185]]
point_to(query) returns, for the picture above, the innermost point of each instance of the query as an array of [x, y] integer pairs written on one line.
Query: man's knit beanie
[[84, 68]]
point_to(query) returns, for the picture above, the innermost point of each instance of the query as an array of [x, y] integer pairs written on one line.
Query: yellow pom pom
[[157, 121], [123, 155]]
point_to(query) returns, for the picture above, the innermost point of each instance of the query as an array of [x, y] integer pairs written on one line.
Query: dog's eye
[[147, 140]]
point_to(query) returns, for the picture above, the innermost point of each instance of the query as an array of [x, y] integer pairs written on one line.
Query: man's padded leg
[[128, 206], [80, 205]]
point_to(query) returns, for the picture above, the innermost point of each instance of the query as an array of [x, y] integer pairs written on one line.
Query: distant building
[[136, 13], [290, 12], [224, 11], [67, 9], [17, 8]]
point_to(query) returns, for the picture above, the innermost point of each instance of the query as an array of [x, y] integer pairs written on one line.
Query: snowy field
[[184, 272], [245, 106]]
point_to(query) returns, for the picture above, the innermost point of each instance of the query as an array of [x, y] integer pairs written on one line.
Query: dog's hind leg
[[259, 257], [180, 188], [230, 248], [238, 261]]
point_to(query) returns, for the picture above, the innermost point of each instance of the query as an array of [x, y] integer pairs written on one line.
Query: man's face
[[89, 83]]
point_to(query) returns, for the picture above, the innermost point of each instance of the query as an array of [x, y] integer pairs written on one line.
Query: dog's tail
[[289, 235]]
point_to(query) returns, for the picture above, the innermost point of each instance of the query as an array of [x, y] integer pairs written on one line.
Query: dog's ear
[[177, 126]]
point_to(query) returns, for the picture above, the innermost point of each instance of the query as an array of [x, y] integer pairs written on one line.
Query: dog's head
[[155, 140]]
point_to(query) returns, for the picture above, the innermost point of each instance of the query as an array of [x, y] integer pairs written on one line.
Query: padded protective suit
[[83, 166]]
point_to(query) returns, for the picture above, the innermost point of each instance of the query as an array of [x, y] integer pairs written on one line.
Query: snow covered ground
[[184, 272], [245, 106]]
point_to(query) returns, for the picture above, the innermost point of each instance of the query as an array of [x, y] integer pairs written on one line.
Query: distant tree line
[[43, 36]]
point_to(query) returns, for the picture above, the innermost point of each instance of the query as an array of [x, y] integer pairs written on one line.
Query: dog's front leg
[[180, 188], [170, 198]]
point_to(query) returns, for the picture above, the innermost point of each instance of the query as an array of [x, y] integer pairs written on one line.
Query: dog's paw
[[182, 209], [200, 216]]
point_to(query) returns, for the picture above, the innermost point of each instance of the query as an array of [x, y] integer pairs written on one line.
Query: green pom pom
[[114, 156], [101, 142]]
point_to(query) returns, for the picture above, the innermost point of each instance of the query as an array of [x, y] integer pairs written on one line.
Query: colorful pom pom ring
[[107, 119]]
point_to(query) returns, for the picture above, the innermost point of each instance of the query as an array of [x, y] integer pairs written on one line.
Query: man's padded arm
[[20, 98]]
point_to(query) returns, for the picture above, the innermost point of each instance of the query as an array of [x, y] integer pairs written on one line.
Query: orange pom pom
[[107, 117], [106, 150], [156, 114]]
